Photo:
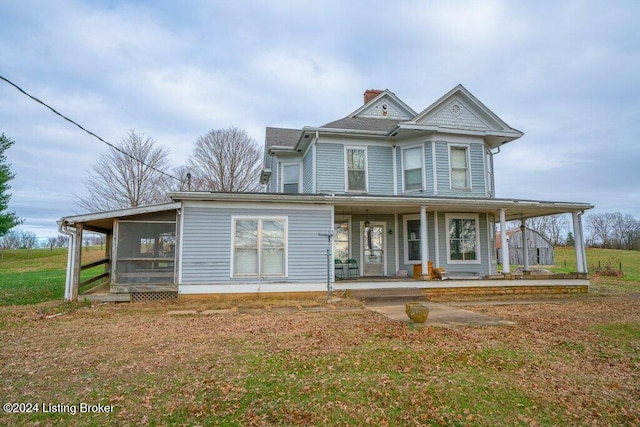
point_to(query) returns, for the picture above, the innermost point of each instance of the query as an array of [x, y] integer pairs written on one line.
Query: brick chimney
[[369, 94]]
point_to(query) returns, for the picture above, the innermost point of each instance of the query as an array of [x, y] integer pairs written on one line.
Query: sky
[[565, 73]]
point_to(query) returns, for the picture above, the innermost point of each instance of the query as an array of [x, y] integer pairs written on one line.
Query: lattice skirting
[[153, 296]]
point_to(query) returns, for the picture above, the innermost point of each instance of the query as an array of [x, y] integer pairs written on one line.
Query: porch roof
[[347, 204], [103, 221]]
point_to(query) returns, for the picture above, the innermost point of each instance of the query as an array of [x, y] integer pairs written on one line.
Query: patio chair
[[339, 269], [353, 270]]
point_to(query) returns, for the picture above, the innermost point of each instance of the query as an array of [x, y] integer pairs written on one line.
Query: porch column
[[424, 251], [506, 268], [70, 262], [525, 247], [77, 254], [579, 243]]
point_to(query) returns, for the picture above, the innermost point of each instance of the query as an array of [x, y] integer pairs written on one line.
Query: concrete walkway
[[441, 315]]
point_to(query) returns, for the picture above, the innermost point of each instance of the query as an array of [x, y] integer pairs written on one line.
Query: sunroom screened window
[[412, 164], [259, 247], [356, 169], [459, 168], [463, 239]]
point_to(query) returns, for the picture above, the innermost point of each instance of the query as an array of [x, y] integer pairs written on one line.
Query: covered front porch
[[378, 238]]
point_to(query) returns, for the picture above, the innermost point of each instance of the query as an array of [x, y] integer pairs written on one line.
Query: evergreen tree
[[8, 220], [570, 240]]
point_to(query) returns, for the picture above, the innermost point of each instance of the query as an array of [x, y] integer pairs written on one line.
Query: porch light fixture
[[367, 223]]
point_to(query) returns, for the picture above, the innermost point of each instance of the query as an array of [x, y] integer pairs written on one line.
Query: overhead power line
[[88, 131]]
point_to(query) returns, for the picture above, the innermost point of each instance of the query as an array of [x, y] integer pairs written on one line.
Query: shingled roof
[[282, 137], [362, 123]]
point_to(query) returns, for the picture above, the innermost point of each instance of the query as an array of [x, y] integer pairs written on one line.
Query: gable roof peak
[[383, 104]]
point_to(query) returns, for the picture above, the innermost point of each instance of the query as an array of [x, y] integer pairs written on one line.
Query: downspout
[[64, 229]]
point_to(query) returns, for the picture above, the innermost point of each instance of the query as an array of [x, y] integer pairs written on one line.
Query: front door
[[373, 244]]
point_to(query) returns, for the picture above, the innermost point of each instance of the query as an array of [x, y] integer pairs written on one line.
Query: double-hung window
[[291, 178], [459, 160], [412, 168], [356, 162], [463, 244], [259, 247]]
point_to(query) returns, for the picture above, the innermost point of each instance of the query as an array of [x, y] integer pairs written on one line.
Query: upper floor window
[[459, 160], [412, 168], [291, 178], [356, 159]]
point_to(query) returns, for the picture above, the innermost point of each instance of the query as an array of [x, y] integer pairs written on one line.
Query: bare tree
[[226, 160], [551, 227], [119, 181], [626, 231], [601, 227]]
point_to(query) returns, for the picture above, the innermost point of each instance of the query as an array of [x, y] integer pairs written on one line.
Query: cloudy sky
[[565, 73]]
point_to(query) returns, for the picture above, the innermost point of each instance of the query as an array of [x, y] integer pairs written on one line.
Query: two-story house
[[384, 192]]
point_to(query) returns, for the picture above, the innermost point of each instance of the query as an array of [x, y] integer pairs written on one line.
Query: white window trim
[[467, 147], [346, 169], [421, 146], [260, 219], [405, 239], [283, 165], [463, 216]]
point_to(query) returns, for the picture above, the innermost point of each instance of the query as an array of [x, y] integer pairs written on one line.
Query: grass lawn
[[574, 363]]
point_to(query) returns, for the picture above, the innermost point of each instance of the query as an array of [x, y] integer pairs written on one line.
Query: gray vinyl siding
[[307, 171], [330, 164], [399, 170], [476, 171], [428, 170], [206, 244], [380, 169], [275, 176], [478, 175]]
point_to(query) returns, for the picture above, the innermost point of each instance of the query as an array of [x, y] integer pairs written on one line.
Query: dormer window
[[412, 161], [291, 178]]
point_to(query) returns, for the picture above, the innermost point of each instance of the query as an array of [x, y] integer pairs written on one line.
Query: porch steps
[[395, 295]]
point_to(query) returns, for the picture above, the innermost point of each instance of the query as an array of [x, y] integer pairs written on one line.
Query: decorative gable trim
[[459, 109], [385, 106]]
